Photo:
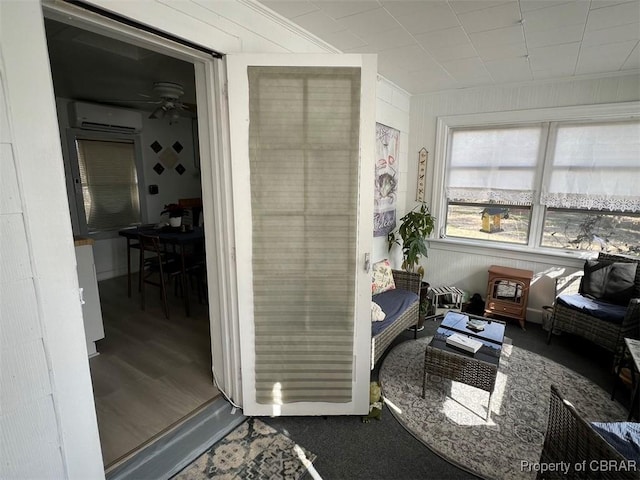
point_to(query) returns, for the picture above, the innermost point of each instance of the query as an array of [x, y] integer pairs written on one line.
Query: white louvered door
[[302, 130]]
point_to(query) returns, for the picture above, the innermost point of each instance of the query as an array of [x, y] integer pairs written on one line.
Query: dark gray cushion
[[609, 312], [393, 303], [609, 281]]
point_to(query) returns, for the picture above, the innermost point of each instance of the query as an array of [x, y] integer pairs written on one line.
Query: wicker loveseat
[[406, 316], [576, 449], [601, 321]]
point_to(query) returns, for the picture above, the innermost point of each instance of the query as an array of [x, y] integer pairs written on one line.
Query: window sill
[[514, 252]]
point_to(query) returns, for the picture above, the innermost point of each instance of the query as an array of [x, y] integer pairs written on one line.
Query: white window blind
[[595, 167], [109, 184], [303, 165], [496, 165]]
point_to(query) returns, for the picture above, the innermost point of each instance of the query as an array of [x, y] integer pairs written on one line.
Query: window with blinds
[[590, 192], [594, 166], [304, 170], [491, 176], [495, 165], [572, 183], [109, 184]]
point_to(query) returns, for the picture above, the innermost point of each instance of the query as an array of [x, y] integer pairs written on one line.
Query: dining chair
[[195, 206], [195, 274], [157, 264]]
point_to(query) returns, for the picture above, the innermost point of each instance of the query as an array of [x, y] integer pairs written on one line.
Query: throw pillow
[[609, 281], [377, 315], [382, 277]]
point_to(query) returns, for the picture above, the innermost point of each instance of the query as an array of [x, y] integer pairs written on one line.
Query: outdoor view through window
[[570, 186]]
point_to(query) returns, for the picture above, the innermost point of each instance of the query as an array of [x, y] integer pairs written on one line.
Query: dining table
[[180, 239]]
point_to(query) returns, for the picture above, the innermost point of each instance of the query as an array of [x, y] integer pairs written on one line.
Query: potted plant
[[176, 212], [415, 227], [412, 234]]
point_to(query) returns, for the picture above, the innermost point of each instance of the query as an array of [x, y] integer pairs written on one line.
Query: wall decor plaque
[[422, 175]]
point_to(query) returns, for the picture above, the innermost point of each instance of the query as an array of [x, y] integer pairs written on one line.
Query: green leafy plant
[[174, 210], [412, 233]]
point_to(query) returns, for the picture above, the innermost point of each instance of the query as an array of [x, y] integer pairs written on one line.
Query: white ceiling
[[430, 45], [422, 46], [94, 68]]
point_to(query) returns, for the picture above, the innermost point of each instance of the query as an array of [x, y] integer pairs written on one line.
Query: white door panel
[[292, 229]]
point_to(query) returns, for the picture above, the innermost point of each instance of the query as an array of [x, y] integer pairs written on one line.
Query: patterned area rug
[[253, 450], [452, 419]]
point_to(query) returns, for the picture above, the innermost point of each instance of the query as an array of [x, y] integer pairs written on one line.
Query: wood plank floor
[[151, 372]]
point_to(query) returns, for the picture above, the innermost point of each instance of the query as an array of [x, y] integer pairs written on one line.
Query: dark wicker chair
[[606, 334], [379, 343], [572, 440]]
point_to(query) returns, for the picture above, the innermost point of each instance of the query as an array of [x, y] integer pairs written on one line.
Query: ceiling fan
[[168, 104]]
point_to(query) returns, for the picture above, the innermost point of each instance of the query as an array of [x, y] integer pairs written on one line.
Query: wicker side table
[[478, 370], [459, 368]]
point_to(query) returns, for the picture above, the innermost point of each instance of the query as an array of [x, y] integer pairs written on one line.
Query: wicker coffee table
[[476, 369]]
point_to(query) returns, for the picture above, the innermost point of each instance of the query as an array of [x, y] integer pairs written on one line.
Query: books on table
[[464, 343]]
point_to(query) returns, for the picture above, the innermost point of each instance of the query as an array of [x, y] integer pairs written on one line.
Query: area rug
[[253, 450], [453, 421]]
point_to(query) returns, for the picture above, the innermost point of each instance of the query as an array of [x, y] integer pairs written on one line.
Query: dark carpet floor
[[383, 449]]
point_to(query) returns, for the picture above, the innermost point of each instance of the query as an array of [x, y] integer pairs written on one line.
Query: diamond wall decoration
[[158, 168], [156, 147], [180, 169], [177, 147]]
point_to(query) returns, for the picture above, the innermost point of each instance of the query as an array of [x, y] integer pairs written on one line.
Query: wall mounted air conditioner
[[91, 116]]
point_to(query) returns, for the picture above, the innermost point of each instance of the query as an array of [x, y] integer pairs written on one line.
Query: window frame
[[548, 117], [76, 199]]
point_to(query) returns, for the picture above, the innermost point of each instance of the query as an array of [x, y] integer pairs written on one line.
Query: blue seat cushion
[[393, 303], [624, 437], [606, 311]]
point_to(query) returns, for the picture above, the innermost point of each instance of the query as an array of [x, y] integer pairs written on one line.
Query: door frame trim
[[215, 164], [239, 117]]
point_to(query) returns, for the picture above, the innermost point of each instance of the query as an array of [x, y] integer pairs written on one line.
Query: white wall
[[229, 26], [24, 360], [172, 185], [48, 425], [466, 267], [392, 110]]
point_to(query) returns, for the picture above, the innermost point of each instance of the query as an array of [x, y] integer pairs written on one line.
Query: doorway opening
[[148, 371]]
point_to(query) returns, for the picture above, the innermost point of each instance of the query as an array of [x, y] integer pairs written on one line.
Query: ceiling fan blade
[[120, 100], [192, 107], [158, 112]]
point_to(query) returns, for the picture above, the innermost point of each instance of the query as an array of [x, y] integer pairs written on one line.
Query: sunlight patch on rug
[[253, 450], [457, 423]]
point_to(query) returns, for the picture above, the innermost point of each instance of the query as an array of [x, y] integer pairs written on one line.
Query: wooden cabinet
[[507, 292]]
